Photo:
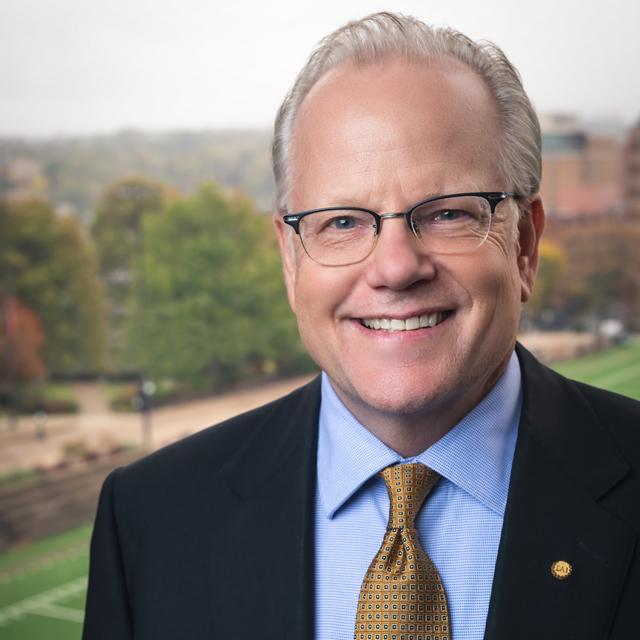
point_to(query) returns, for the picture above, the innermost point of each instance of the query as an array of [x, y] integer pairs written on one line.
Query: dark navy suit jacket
[[212, 537]]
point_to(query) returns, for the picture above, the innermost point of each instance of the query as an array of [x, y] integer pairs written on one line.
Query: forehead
[[408, 126]]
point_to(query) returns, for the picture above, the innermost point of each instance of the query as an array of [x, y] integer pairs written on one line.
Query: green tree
[[116, 232], [46, 263], [79, 309], [210, 303]]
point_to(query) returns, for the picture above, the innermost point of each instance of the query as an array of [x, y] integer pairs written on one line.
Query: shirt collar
[[476, 455]]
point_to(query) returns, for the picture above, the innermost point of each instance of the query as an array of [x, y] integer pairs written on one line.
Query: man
[[407, 163]]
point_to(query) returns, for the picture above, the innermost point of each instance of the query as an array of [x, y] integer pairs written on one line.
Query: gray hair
[[386, 34]]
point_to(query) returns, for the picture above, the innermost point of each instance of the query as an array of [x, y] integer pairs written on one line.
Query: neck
[[411, 433]]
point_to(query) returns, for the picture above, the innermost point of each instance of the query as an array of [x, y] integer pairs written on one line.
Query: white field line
[[45, 562], [42, 600], [60, 613]]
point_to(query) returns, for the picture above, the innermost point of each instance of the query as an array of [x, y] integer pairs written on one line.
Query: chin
[[402, 393]]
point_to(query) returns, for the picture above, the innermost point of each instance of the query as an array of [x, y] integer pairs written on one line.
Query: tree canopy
[[118, 239], [209, 300], [46, 264]]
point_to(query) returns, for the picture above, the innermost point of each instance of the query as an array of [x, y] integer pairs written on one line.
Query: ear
[[530, 228], [289, 258]]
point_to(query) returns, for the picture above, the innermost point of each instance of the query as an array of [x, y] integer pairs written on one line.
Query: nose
[[398, 260]]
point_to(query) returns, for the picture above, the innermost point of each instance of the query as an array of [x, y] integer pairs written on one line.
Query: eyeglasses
[[456, 223]]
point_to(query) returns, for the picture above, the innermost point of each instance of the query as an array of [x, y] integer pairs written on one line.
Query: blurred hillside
[[72, 173]]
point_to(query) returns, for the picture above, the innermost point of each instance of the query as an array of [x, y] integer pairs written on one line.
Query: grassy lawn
[[121, 395], [43, 588], [59, 391], [52, 397], [616, 369]]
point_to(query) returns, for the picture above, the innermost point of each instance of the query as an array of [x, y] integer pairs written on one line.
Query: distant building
[[581, 170], [591, 190], [631, 180]]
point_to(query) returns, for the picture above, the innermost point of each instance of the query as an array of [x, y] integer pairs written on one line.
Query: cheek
[[316, 298], [492, 283], [318, 290], [502, 262]]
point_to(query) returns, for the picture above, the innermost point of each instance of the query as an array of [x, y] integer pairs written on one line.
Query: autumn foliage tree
[[592, 268], [21, 341], [548, 291], [47, 265]]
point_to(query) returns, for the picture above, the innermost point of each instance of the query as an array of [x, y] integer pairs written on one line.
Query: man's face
[[384, 137]]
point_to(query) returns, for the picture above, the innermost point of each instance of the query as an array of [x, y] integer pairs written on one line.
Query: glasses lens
[[452, 225], [338, 237]]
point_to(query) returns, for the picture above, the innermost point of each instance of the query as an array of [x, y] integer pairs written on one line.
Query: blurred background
[[140, 286]]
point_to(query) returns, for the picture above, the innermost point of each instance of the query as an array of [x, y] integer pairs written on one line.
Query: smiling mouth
[[424, 321]]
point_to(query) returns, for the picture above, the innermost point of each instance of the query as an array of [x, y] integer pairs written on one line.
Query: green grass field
[[43, 587], [616, 369]]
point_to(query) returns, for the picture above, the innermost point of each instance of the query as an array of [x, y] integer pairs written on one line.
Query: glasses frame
[[494, 198]]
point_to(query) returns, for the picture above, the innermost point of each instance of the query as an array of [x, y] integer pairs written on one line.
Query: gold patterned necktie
[[402, 596]]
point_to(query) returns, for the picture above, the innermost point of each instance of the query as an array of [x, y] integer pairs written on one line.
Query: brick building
[[631, 173]]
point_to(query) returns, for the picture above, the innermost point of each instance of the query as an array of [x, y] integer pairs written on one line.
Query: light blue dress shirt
[[459, 524]]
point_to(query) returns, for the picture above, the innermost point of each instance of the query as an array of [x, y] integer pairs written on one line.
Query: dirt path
[[550, 346], [99, 428], [91, 397]]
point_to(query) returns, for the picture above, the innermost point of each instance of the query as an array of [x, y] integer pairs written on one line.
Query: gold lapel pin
[[561, 569]]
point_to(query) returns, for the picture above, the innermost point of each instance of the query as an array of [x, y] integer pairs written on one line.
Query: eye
[[343, 223], [426, 218], [449, 215]]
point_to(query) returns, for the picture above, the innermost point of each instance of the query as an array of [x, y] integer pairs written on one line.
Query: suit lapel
[[564, 463], [273, 478]]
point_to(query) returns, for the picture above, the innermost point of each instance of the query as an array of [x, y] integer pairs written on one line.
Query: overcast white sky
[[85, 66]]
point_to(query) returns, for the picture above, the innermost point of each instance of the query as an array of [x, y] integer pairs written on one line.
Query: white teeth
[[430, 319], [410, 324]]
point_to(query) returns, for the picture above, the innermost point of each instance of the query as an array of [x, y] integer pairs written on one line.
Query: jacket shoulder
[[550, 391], [620, 414]]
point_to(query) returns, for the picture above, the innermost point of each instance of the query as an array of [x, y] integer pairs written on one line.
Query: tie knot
[[408, 486]]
